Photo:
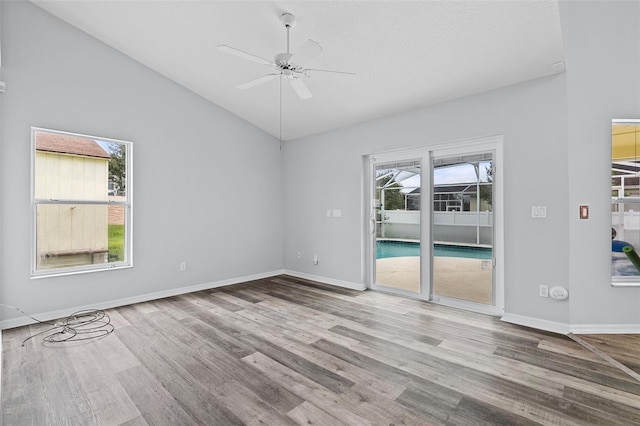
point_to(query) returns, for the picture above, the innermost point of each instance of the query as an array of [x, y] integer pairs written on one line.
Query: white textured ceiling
[[406, 54]]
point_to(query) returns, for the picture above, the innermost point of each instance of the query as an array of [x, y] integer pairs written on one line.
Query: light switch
[[539, 212], [584, 211]]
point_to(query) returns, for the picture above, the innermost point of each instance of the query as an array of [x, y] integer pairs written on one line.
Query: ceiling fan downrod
[[289, 21]]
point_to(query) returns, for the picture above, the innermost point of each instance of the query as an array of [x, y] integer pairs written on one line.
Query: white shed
[[70, 168]]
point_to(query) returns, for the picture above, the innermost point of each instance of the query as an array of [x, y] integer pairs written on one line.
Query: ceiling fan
[[286, 65]]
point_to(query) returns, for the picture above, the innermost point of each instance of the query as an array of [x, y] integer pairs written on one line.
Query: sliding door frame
[[421, 155], [470, 147], [492, 144]]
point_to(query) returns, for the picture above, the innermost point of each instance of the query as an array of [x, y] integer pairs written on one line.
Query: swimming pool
[[386, 249]]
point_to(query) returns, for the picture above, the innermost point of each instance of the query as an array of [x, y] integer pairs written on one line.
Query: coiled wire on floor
[[81, 325]]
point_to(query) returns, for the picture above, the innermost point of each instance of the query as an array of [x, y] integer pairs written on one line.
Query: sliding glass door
[[396, 223], [435, 224], [462, 227]]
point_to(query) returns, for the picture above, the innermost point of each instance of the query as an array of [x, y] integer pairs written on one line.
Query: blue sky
[[464, 173], [459, 174], [104, 145]]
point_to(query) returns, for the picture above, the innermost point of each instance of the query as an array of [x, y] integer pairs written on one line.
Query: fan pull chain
[[280, 134]]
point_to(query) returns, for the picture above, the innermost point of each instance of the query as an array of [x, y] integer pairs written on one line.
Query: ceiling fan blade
[[330, 71], [243, 54], [258, 81], [300, 88], [307, 52]]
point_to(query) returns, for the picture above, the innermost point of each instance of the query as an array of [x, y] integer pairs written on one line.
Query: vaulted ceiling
[[406, 54]]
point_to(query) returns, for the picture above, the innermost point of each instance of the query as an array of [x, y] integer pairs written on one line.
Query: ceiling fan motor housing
[[288, 20], [282, 60]]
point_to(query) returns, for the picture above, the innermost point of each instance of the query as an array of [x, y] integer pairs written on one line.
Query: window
[[625, 202], [81, 199]]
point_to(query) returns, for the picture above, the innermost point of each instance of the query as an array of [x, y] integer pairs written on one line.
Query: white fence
[[402, 216], [456, 227], [627, 226], [631, 220], [450, 218], [463, 218]]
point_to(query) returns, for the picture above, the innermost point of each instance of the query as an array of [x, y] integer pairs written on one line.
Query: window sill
[[42, 274]]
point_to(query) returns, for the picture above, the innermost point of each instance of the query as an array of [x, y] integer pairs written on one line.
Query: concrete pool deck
[[453, 277]]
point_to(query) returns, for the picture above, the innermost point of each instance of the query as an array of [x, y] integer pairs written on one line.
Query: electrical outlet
[[315, 259], [543, 290], [558, 293], [183, 266], [299, 255]]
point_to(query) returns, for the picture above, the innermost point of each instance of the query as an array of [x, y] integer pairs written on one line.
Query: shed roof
[[68, 144]]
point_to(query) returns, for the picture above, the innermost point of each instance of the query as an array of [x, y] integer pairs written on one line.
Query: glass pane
[[85, 174], [625, 204], [71, 167], [625, 235], [117, 170], [71, 235], [397, 205], [116, 231], [463, 228]]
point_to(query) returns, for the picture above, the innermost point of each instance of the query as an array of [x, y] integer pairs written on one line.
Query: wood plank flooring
[[624, 348], [286, 351]]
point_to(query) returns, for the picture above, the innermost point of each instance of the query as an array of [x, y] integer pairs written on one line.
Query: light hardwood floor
[[286, 351]]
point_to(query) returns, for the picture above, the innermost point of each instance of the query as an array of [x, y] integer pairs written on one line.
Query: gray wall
[[1, 158], [186, 206], [325, 171], [602, 45], [557, 154], [556, 146]]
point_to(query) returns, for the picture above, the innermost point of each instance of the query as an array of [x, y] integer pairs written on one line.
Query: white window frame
[[621, 280], [127, 203]]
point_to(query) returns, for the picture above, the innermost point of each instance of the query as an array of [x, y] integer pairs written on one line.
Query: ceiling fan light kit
[[286, 65]]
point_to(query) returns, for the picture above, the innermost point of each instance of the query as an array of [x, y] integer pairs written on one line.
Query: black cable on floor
[[81, 325]]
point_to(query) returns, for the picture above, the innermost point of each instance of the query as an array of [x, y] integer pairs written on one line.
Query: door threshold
[[467, 305], [397, 292]]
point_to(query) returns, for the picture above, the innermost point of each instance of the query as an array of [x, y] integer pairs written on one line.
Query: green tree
[[118, 166], [486, 191], [393, 198]]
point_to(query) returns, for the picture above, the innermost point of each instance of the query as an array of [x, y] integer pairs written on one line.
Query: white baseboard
[[605, 328], [52, 315], [562, 328], [540, 324], [325, 280]]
